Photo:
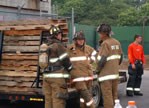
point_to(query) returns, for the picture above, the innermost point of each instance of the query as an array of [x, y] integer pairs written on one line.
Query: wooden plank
[[29, 74], [19, 63], [27, 32], [21, 38], [22, 32], [21, 48], [14, 83], [17, 79], [19, 57], [19, 68], [21, 43], [31, 22], [26, 27]]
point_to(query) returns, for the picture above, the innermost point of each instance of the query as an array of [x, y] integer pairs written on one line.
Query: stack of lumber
[[19, 64]]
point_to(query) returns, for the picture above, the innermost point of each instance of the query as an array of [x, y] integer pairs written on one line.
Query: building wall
[[30, 4], [24, 9]]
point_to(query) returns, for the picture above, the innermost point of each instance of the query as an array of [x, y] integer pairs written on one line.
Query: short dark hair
[[136, 36]]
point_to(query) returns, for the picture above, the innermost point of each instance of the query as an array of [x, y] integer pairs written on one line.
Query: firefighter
[[135, 69], [109, 58], [82, 73], [54, 85]]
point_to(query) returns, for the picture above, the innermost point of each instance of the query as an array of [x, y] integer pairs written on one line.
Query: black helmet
[[104, 28], [55, 30], [79, 35]]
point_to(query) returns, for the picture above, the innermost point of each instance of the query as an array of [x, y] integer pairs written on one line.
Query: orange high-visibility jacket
[[135, 52]]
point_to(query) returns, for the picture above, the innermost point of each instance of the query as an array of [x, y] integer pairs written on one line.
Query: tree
[[94, 12], [133, 16]]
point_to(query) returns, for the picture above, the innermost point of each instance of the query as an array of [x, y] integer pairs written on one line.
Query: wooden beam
[[19, 63], [21, 48], [21, 43], [19, 68], [17, 79], [17, 38], [19, 57], [22, 32], [29, 74]]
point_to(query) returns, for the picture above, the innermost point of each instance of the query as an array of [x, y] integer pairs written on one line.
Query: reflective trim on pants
[[87, 103], [82, 100], [90, 102], [137, 89], [108, 77], [129, 89], [56, 75]]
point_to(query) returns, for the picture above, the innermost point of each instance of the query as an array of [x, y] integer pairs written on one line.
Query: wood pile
[[18, 67]]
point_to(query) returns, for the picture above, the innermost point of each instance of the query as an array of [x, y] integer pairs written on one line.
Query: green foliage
[[133, 16], [114, 12]]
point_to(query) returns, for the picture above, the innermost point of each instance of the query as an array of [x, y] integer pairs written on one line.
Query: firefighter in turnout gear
[[82, 73], [54, 85], [109, 59], [135, 69]]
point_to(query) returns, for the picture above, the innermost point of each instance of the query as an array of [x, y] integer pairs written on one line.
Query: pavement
[[141, 101]]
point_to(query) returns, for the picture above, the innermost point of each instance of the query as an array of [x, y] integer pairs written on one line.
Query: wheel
[[96, 92]]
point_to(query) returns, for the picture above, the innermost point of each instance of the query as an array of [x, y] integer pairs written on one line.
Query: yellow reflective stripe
[[95, 76], [93, 58], [136, 89], [53, 60], [94, 53], [82, 100], [56, 75], [63, 56], [81, 58], [90, 102], [99, 58], [113, 57], [82, 79], [70, 67], [129, 88], [108, 77]]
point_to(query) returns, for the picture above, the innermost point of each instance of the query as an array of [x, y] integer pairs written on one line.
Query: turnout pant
[[54, 92], [86, 100], [109, 92], [135, 78]]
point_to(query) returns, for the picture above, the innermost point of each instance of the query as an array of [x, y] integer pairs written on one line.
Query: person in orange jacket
[[135, 69]]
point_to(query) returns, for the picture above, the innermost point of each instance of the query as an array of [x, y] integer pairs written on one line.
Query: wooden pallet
[[18, 68]]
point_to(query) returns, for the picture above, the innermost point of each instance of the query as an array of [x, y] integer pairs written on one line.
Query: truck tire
[[96, 92]]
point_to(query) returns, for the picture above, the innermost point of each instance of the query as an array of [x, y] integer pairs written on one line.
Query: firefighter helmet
[[104, 28], [79, 35], [55, 30]]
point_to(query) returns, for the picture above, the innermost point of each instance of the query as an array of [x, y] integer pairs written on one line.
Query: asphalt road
[[141, 101]]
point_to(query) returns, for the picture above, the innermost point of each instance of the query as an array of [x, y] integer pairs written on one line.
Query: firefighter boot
[[129, 93], [138, 93]]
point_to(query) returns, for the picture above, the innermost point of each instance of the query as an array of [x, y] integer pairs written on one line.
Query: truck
[[20, 74]]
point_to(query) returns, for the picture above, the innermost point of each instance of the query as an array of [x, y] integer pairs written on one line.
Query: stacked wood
[[19, 65]]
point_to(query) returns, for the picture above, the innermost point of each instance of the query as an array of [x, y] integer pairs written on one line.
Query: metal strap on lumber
[[1, 44]]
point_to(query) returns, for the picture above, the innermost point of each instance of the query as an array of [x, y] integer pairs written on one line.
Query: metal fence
[[124, 34]]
